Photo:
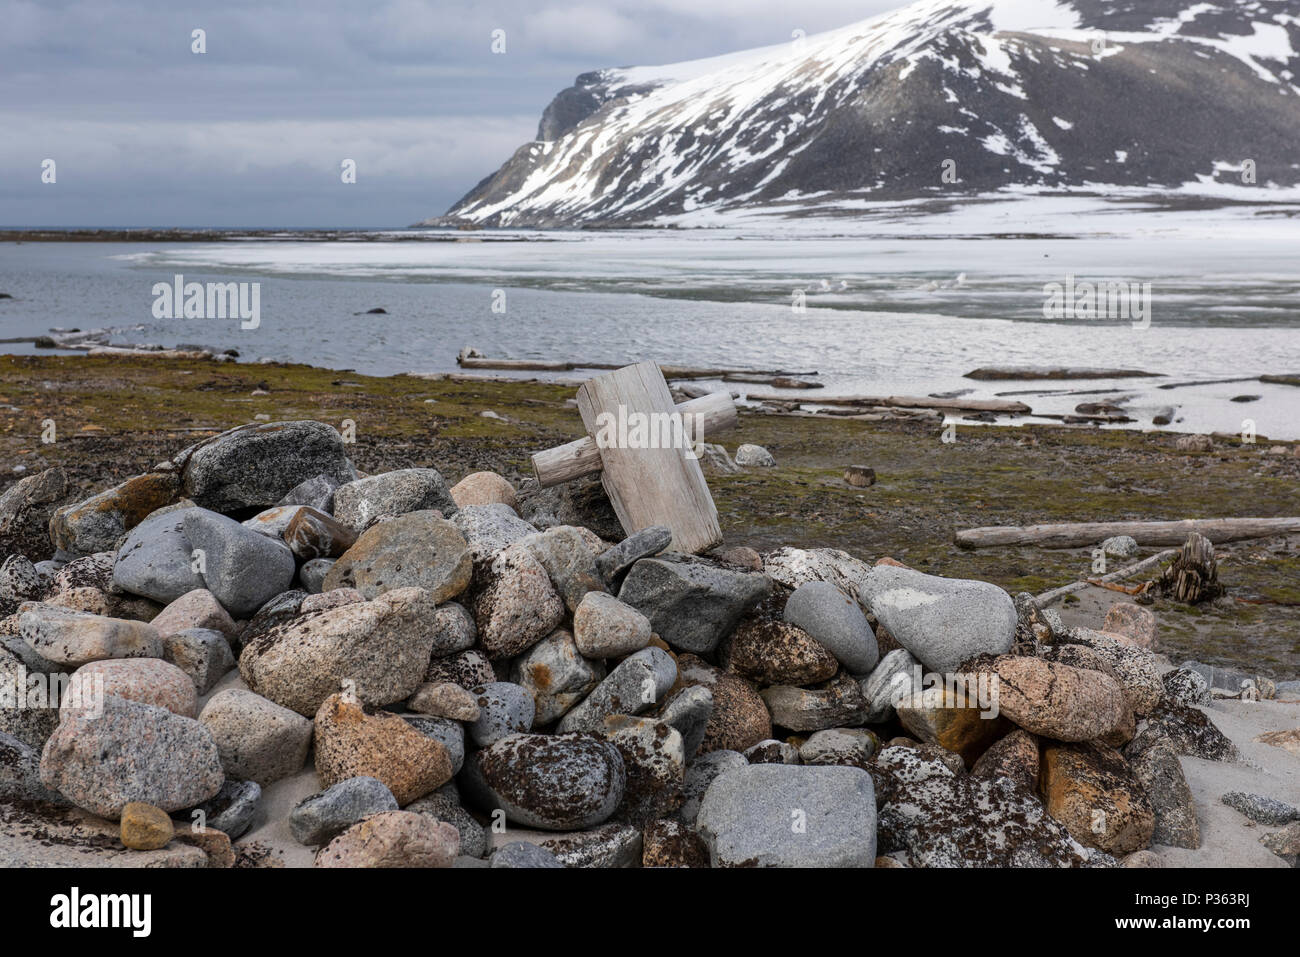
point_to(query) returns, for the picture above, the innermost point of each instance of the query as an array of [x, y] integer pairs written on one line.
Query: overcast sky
[[145, 132]]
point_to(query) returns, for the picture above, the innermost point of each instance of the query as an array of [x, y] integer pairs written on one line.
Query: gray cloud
[[145, 132]]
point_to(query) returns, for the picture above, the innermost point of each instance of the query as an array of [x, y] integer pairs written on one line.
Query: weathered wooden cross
[[643, 446]]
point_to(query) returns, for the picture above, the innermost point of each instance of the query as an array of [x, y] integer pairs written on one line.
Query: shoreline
[[116, 416]]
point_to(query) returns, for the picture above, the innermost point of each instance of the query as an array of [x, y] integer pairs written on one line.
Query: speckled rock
[[638, 682], [556, 674], [96, 524], [779, 815], [230, 811], [516, 606], [312, 534], [322, 817], [893, 680], [414, 550], [691, 603], [469, 669], [1134, 622], [19, 582], [943, 622], [198, 608], [445, 699], [241, 568], [1186, 687], [350, 742], [335, 598], [944, 820], [776, 653], [131, 752], [524, 854], [146, 680], [31, 725], [853, 747], [20, 772], [835, 620], [1137, 669], [568, 560], [1014, 757], [450, 734], [1092, 791], [1284, 843], [282, 608], [654, 761], [258, 740], [739, 718], [604, 627], [1165, 786], [256, 465], [699, 775], [773, 751], [1120, 546], [555, 782], [1188, 730], [393, 839], [688, 710], [312, 574], [443, 806], [489, 529], [1262, 809], [78, 638], [504, 709], [793, 567], [357, 504], [26, 508], [670, 843], [614, 561], [1055, 700], [317, 492], [381, 646], [832, 704]]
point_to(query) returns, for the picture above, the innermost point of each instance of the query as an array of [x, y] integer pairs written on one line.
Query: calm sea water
[[882, 317]]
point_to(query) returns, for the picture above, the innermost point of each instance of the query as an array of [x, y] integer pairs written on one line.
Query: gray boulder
[[691, 603], [131, 752], [633, 687], [942, 621], [782, 815], [255, 466], [504, 709], [242, 568], [155, 559], [837, 622], [322, 817], [358, 503]]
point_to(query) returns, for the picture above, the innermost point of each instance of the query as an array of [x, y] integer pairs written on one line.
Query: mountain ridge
[[940, 98]]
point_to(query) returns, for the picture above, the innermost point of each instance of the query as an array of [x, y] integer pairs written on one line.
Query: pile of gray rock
[[471, 689]]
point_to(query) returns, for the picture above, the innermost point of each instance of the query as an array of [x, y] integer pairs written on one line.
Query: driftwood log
[[564, 463], [908, 402], [1047, 597], [1084, 534]]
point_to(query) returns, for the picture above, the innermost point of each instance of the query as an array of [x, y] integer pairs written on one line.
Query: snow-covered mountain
[[996, 93]]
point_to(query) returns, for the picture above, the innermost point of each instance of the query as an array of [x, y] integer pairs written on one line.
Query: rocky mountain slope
[[1167, 94]]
